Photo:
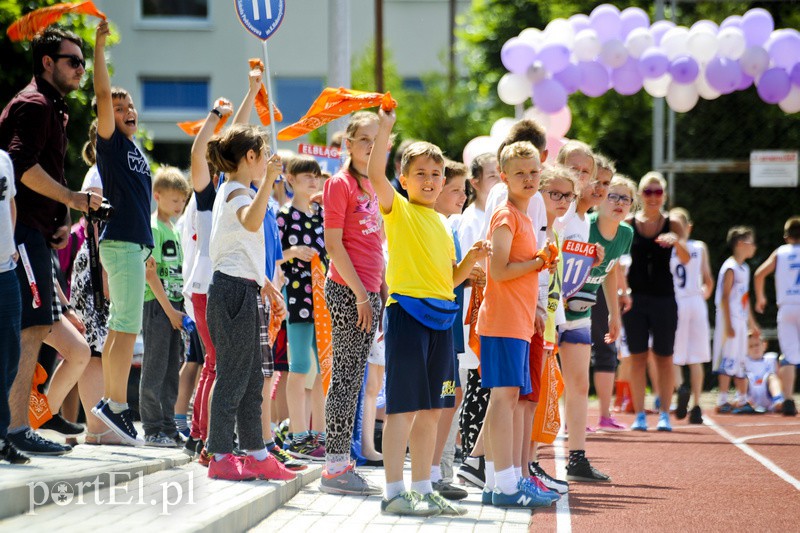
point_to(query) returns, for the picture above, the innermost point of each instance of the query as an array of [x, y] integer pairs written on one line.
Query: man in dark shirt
[[33, 132]]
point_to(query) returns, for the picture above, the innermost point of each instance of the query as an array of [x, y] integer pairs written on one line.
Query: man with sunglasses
[[33, 132]]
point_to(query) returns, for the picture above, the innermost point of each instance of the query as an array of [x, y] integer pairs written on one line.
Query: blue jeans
[[10, 312]]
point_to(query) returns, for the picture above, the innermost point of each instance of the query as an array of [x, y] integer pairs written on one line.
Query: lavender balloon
[[549, 96], [734, 21], [684, 69], [554, 57], [774, 85], [653, 63], [594, 78], [723, 74], [626, 79], [606, 22], [580, 22], [783, 47], [659, 28], [745, 82], [570, 78], [632, 18], [757, 24], [517, 55], [794, 76]]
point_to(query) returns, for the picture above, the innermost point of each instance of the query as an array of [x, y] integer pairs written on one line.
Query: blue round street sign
[[260, 17]]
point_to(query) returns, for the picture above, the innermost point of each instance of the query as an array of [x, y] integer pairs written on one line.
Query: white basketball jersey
[[688, 278], [787, 274], [739, 299]]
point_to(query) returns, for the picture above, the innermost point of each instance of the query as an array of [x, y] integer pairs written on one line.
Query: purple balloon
[[659, 28], [757, 24], [580, 22], [653, 63], [734, 21], [626, 79], [723, 74], [632, 18], [784, 48], [774, 85], [745, 82], [684, 69], [549, 96], [795, 75], [517, 55], [606, 22], [594, 78], [554, 57], [570, 78]]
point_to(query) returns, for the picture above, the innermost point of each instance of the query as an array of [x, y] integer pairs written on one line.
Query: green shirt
[[619, 246], [169, 260]]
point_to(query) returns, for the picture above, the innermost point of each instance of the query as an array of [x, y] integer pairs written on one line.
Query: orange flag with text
[[475, 302], [547, 420], [322, 321], [25, 28]]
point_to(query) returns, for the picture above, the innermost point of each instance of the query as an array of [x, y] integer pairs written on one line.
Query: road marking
[[563, 518], [772, 467], [767, 435]]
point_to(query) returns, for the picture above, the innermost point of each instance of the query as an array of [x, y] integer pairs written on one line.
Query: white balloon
[[559, 31], [706, 91], [638, 40], [675, 42], [587, 45], [479, 145], [514, 89], [791, 104], [501, 127], [532, 36], [754, 61], [657, 87], [613, 53], [682, 97], [731, 42], [702, 43]]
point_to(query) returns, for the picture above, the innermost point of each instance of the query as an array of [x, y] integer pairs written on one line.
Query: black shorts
[[41, 260], [280, 353], [651, 315], [196, 352], [604, 356]]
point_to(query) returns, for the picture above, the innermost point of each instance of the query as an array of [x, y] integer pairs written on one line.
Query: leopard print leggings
[[350, 346]]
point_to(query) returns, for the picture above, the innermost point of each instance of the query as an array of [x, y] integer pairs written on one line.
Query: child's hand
[[478, 276], [667, 240], [538, 324], [761, 304], [224, 106], [254, 79], [387, 118], [274, 168], [316, 198], [600, 254], [176, 319], [480, 250], [103, 31], [303, 253]]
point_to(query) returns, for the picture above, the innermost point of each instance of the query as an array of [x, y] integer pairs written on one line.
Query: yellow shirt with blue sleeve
[[421, 252]]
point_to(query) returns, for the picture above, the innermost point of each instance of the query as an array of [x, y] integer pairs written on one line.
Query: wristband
[[365, 301], [217, 112], [624, 292]]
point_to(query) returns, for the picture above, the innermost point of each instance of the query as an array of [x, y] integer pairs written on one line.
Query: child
[[784, 263], [238, 259], [162, 320], [126, 241], [301, 229], [734, 317], [763, 386], [421, 274], [693, 286]]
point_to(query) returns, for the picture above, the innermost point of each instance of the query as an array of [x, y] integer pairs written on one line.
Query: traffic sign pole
[[271, 98]]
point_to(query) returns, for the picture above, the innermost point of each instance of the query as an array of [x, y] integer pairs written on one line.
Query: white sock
[[394, 488], [489, 484], [723, 398], [423, 487], [117, 407], [220, 456], [518, 473], [506, 480], [436, 473], [260, 455], [335, 463]]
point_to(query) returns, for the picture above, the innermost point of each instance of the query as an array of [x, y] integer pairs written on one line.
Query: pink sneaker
[[590, 430], [269, 468], [230, 468], [609, 423]]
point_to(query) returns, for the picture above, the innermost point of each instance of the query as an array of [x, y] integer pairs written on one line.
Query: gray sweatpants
[[232, 316], [161, 364]]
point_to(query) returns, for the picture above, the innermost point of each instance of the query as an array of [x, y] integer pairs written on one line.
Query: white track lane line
[[769, 465], [563, 518]]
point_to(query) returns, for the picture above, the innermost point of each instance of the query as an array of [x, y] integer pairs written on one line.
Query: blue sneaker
[[536, 486], [486, 497], [120, 423], [663, 422], [524, 497], [640, 424]]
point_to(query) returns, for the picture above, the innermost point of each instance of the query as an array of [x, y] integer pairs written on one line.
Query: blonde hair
[[551, 173], [624, 181], [601, 161], [652, 177], [420, 149], [791, 229], [518, 150], [682, 213], [171, 179], [227, 149]]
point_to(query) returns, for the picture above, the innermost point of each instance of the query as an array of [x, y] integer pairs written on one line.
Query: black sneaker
[[192, 447], [696, 415], [789, 408], [557, 485], [60, 425], [10, 453], [448, 491], [28, 441], [683, 401], [119, 423], [582, 470], [473, 470]]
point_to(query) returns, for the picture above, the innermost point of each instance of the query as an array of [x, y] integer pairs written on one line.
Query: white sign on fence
[[773, 168]]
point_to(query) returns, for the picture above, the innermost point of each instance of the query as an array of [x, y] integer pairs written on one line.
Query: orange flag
[[38, 407], [333, 104], [26, 28], [262, 99], [322, 321], [547, 420], [475, 302], [193, 127]]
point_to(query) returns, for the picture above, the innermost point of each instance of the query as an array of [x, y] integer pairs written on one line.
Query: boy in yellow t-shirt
[[421, 274]]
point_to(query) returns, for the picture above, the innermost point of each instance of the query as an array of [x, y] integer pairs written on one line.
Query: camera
[[104, 212]]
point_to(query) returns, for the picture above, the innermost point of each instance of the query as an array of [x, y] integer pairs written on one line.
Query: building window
[[175, 8], [175, 94], [413, 84], [294, 96]]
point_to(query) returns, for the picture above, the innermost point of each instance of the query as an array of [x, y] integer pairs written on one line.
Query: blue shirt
[[458, 325]]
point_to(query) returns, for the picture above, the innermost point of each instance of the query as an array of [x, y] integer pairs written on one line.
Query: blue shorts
[[505, 362], [420, 364], [576, 336]]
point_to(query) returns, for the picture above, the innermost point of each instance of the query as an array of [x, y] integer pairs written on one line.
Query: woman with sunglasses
[[653, 311]]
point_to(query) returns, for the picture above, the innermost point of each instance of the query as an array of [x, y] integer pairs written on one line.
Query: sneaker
[[789, 408], [696, 415], [409, 503], [663, 422], [584, 471], [473, 471], [62, 426], [539, 486], [192, 447], [179, 439], [28, 441], [269, 468], [590, 430], [159, 440], [204, 459], [287, 460], [282, 433], [609, 423], [445, 507], [347, 481], [684, 394], [230, 468], [308, 449], [119, 423], [10, 453], [486, 496], [724, 408], [743, 409], [640, 424], [449, 491], [557, 485], [526, 496]]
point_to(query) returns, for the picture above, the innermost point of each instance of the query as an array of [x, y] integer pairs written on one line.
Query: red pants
[[208, 373], [535, 358]]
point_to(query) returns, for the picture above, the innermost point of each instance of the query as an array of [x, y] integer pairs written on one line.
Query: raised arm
[[376, 169], [200, 174], [246, 109], [766, 268], [252, 216], [102, 84]]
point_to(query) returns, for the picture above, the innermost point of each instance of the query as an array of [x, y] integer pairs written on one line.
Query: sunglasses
[[653, 192], [74, 61]]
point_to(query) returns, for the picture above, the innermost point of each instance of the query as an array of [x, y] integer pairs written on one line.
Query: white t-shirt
[[738, 302], [688, 278], [92, 179], [787, 275], [7, 191], [234, 250]]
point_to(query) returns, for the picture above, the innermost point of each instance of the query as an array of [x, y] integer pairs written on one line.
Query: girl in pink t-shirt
[[352, 292]]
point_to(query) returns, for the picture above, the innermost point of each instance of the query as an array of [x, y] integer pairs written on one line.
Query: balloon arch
[[621, 50]]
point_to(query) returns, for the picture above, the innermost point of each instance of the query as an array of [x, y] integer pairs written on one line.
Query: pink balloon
[[560, 122], [554, 144]]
